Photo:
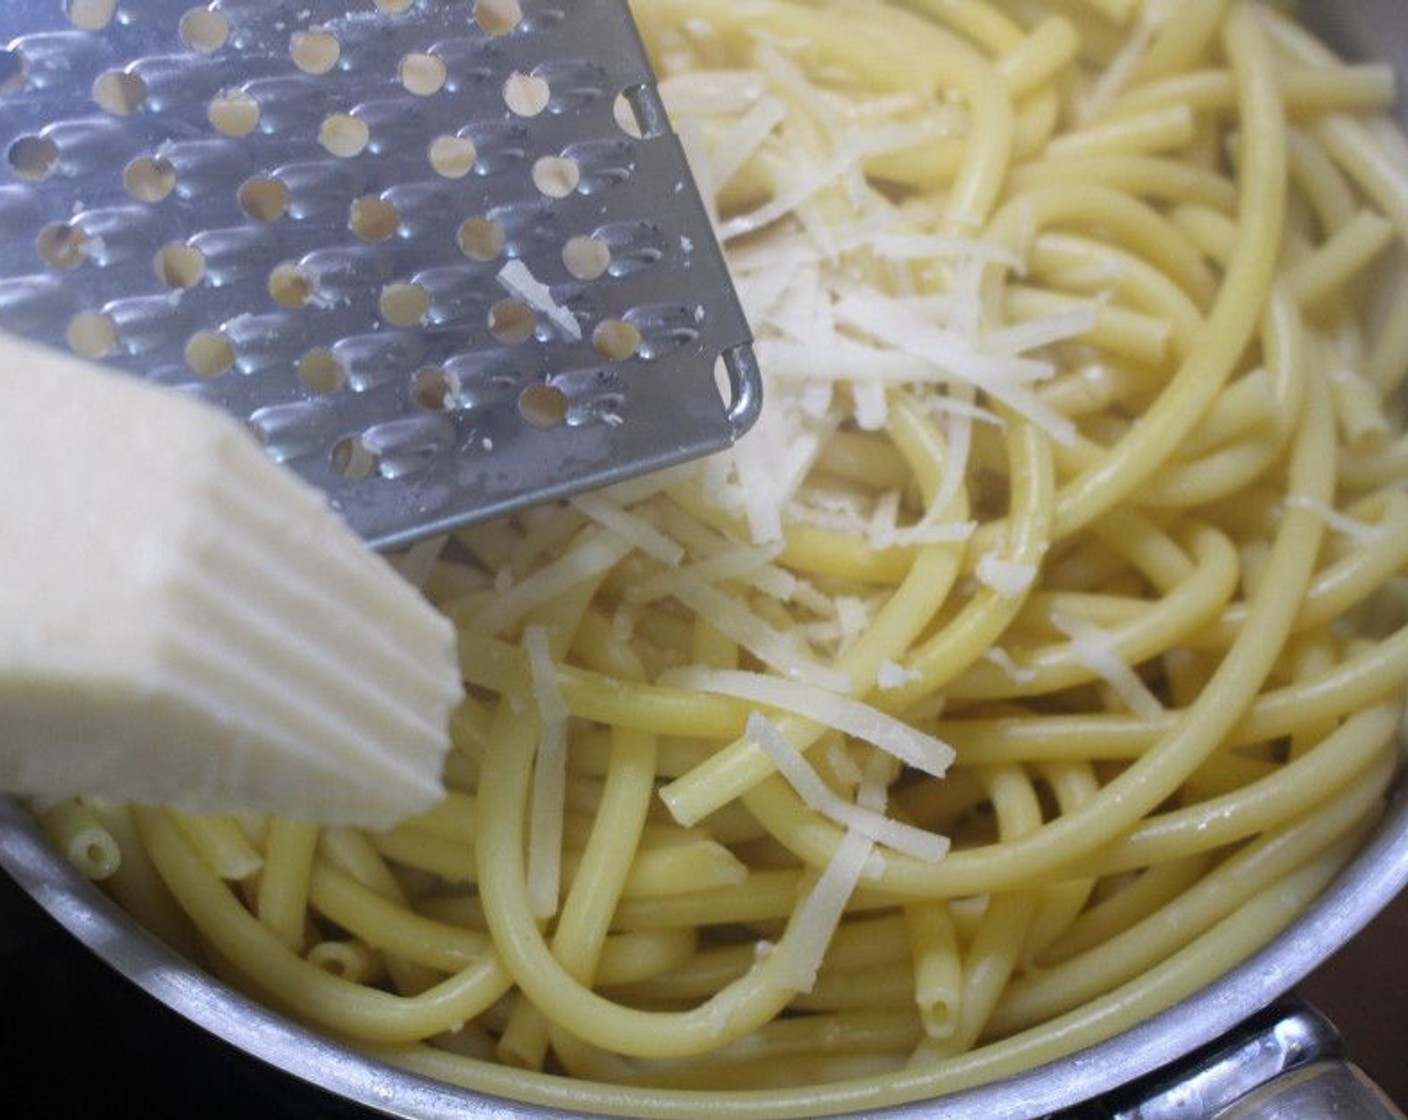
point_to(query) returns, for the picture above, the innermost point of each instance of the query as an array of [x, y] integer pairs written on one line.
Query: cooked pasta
[[1039, 656]]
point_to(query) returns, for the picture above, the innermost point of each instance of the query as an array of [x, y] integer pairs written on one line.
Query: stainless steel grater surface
[[444, 257]]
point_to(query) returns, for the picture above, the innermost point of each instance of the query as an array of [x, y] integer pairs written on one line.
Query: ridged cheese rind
[[182, 620]]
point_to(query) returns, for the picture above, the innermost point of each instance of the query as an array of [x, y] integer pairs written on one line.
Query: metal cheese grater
[[444, 257]]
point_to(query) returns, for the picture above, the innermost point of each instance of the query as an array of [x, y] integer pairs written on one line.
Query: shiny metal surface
[[1270, 1047], [1288, 1062], [1378, 873], [217, 152], [1376, 29], [1369, 28], [1325, 1089]]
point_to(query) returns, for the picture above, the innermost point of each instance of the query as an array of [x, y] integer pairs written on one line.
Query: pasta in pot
[[1037, 659]]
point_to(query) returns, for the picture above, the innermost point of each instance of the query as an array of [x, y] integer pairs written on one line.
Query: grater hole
[[234, 113], [90, 15], [623, 109], [264, 200], [353, 459], [62, 246], [615, 339], [543, 406], [33, 158], [395, 7], [526, 95], [119, 92], [150, 178], [321, 371], [180, 266], [374, 219], [315, 52], [432, 389], [210, 354], [204, 30], [556, 176], [512, 322], [344, 135], [498, 17], [586, 258], [12, 70], [452, 157], [291, 286], [723, 383], [92, 335], [481, 239], [404, 305], [422, 74]]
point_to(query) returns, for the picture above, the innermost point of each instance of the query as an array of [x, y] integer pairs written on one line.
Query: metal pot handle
[[1288, 1063], [1322, 1089]]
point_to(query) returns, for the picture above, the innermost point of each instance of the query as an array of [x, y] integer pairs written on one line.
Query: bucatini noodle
[[1036, 659]]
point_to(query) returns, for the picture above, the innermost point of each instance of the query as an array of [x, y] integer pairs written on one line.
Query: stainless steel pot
[[1233, 1044], [1235, 1050]]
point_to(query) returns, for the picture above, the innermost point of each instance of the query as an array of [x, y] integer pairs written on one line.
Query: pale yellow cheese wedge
[[182, 620]]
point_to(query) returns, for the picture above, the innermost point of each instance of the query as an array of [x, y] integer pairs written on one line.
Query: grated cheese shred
[[631, 528], [516, 279], [821, 798], [817, 918], [587, 559], [1008, 578], [1095, 648], [842, 713], [1358, 531], [784, 652], [545, 825]]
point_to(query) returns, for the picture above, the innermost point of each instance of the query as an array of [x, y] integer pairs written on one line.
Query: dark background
[[1364, 992]]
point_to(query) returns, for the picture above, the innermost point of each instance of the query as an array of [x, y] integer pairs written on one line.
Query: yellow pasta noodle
[[82, 837], [1038, 658]]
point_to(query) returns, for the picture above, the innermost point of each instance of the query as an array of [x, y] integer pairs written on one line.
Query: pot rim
[[1368, 883]]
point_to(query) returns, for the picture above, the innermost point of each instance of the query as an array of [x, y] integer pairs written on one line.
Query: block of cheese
[[184, 621]]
